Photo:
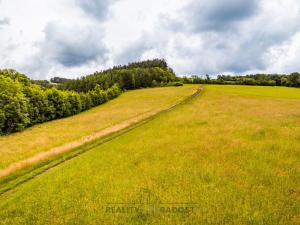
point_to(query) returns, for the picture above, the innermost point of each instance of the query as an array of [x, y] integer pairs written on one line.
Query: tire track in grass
[[71, 145], [25, 170]]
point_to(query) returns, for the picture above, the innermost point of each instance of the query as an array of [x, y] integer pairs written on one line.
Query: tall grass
[[19, 146], [231, 152]]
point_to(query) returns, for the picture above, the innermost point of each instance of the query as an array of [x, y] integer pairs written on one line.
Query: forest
[[292, 80], [150, 73], [25, 102]]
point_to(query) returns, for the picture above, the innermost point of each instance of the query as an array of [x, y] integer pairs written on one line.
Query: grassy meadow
[[42, 137], [231, 153]]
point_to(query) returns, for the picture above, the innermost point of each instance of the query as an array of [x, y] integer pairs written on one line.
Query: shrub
[[14, 106]]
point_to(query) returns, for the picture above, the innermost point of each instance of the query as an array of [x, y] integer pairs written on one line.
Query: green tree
[[294, 80], [14, 106], [38, 104], [57, 104]]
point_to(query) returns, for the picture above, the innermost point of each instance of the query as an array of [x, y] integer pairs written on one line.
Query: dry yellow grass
[[43, 137], [234, 151]]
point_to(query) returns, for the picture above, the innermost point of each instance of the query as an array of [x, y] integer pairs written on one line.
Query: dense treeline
[[150, 73], [59, 80], [292, 80], [161, 63], [24, 103]]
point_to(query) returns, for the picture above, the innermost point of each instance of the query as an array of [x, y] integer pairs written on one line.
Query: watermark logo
[[148, 205]]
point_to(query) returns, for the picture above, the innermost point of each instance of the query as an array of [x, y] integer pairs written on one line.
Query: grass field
[[230, 156], [19, 146]]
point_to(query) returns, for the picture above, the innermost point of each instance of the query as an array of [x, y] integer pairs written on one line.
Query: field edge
[[18, 177]]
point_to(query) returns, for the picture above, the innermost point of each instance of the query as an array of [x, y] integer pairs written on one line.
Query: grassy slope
[[45, 136], [259, 91], [233, 153]]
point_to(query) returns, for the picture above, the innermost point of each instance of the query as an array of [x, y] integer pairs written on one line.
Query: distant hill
[[132, 76]]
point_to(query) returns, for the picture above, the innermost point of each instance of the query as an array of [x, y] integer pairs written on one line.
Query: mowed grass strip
[[235, 155], [46, 136], [258, 91]]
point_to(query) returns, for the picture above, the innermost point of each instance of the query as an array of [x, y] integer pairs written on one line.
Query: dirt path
[[71, 145]]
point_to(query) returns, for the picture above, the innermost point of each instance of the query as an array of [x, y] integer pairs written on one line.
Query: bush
[[38, 104], [113, 92], [86, 101], [57, 102], [14, 106], [178, 84], [75, 102]]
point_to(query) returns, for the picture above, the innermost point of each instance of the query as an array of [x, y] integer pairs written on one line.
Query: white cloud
[[76, 37], [285, 58]]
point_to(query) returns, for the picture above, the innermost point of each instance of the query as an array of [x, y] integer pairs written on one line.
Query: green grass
[[19, 146], [263, 91], [233, 152]]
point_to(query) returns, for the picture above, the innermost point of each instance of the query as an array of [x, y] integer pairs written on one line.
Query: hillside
[[230, 155], [131, 104], [25, 102], [149, 73]]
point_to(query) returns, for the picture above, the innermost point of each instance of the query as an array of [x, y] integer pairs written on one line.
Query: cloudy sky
[[69, 38]]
